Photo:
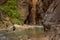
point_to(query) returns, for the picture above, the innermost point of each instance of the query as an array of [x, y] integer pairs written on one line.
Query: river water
[[18, 35], [3, 35]]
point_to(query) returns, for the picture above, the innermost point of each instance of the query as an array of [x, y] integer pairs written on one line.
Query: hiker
[[14, 28]]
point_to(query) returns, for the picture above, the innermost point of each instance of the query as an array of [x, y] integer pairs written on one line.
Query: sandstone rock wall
[[52, 21], [23, 8], [32, 11]]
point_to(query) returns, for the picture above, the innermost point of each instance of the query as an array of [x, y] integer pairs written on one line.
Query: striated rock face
[[32, 11], [52, 21], [25, 8]]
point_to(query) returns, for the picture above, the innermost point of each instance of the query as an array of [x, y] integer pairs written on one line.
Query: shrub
[[10, 9]]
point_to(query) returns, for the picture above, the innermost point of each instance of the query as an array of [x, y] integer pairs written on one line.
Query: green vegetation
[[10, 9]]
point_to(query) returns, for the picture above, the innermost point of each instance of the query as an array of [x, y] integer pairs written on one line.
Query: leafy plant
[[10, 9]]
